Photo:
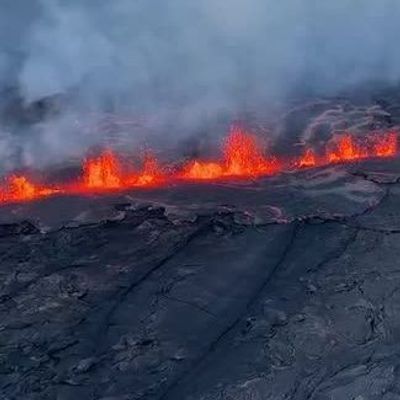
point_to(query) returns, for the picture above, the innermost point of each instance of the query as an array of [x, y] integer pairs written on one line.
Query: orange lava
[[242, 157], [18, 188], [152, 173], [386, 145], [344, 149], [105, 172], [201, 170], [102, 172], [308, 160]]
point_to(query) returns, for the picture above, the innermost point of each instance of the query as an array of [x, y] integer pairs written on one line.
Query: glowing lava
[[102, 172], [105, 172], [152, 173], [386, 145], [242, 157], [345, 148], [308, 160], [199, 170], [19, 188]]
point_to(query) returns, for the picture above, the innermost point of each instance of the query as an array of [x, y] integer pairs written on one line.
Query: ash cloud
[[180, 65]]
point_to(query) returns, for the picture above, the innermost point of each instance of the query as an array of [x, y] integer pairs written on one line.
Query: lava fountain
[[242, 157], [19, 188], [102, 172]]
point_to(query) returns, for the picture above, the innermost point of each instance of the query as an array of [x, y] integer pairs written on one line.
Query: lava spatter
[[242, 157], [386, 145], [307, 160], [18, 188], [103, 172]]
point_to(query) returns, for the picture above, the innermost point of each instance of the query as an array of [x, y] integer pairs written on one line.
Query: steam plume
[[180, 64]]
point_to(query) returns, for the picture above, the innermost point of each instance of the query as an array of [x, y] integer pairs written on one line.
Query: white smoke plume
[[178, 65]]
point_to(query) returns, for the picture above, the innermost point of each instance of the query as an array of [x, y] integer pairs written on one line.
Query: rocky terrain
[[281, 288]]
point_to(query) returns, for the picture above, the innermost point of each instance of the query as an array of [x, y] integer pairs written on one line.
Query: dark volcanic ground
[[283, 288]]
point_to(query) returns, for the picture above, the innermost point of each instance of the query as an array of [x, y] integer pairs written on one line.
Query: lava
[[152, 173], [242, 156], [105, 172], [308, 160], [202, 170], [386, 145], [345, 148], [102, 172], [18, 188]]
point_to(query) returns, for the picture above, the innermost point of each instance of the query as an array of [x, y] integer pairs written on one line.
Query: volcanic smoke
[[243, 157]]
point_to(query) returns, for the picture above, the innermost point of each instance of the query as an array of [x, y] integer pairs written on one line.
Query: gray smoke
[[178, 65]]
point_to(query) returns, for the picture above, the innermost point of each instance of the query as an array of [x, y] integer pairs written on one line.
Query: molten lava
[[308, 160], [18, 188], [102, 172], [386, 145], [198, 170], [105, 172], [344, 149], [151, 173], [242, 157]]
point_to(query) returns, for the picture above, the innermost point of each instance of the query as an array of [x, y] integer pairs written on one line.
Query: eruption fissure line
[[243, 157]]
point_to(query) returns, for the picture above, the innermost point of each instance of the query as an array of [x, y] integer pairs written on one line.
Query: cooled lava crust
[[280, 288]]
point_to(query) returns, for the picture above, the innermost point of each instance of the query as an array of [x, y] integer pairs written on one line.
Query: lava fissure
[[243, 157]]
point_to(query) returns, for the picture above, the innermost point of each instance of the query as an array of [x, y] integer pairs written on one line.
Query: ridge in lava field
[[243, 157]]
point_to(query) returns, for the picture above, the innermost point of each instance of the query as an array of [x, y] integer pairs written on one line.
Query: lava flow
[[242, 157]]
